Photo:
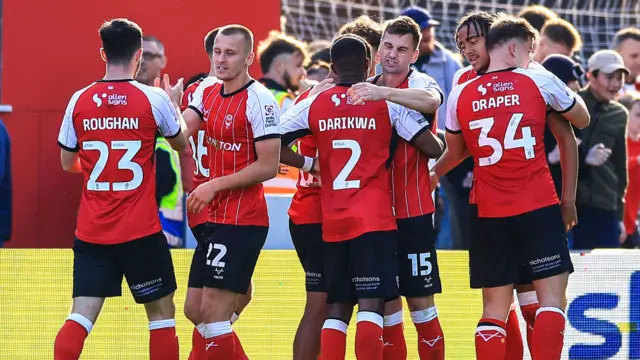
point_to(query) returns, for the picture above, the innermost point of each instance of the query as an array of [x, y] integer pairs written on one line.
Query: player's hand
[[598, 155], [283, 169], [365, 91], [200, 198], [322, 86], [623, 232], [569, 214], [433, 177], [315, 168], [175, 92]]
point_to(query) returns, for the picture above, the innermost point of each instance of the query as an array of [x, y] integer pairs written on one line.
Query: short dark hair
[[403, 25], [323, 55], [625, 34], [276, 44], [209, 40], [121, 38], [317, 67], [508, 27], [365, 27], [537, 15], [480, 20], [238, 29], [561, 31], [349, 52], [629, 99]]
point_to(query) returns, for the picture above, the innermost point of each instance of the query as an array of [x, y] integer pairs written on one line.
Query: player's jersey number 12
[[527, 142], [131, 148]]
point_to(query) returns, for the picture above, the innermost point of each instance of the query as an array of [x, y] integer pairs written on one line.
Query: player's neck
[[350, 79], [393, 80], [236, 83], [497, 64], [118, 72]]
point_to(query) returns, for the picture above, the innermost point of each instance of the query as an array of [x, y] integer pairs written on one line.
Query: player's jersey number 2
[[527, 142], [341, 182], [131, 148]]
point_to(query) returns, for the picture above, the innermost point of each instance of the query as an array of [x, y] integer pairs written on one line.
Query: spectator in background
[[433, 59], [537, 15], [318, 71], [371, 31], [153, 60], [631, 101], [557, 36], [319, 45], [571, 73], [282, 61], [169, 193], [627, 43], [603, 180], [5, 185]]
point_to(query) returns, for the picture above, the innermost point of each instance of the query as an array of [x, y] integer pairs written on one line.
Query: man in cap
[[603, 178]]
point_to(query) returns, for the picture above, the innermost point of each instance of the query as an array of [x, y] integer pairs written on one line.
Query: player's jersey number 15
[[527, 142], [131, 148]]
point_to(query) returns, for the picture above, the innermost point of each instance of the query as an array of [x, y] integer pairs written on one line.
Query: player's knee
[[393, 306], [217, 304], [342, 311], [316, 305], [192, 312], [420, 303], [161, 309]]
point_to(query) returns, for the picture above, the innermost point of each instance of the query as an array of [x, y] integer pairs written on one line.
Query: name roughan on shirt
[[110, 123], [343, 123], [494, 102]]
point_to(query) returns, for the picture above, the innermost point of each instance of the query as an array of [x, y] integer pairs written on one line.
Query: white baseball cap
[[607, 61]]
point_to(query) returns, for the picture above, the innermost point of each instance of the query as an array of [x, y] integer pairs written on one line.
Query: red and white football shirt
[[235, 122], [353, 144], [200, 152], [501, 116], [113, 125], [306, 204], [410, 184], [463, 75]]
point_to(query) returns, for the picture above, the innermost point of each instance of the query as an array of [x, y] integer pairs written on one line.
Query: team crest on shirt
[[228, 120], [269, 116], [268, 110]]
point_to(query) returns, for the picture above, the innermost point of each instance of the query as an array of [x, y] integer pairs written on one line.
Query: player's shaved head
[[121, 39], [506, 28], [209, 40], [235, 29], [349, 57]]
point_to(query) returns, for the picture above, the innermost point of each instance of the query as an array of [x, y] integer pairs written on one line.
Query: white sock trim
[[527, 298], [162, 324], [335, 324], [491, 328], [80, 319], [217, 329], [234, 317], [550, 309], [393, 319], [423, 316], [201, 329], [513, 306], [370, 317]]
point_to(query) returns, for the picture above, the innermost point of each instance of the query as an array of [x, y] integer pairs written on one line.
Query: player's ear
[[250, 58], [138, 55], [103, 55], [414, 58]]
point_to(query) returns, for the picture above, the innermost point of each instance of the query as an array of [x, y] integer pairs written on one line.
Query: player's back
[[115, 124], [353, 145], [502, 115]]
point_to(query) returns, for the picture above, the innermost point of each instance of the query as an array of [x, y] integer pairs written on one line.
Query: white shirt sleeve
[[555, 92], [67, 137], [163, 110], [452, 124], [286, 104], [407, 122], [295, 122], [197, 99], [263, 112], [419, 80]]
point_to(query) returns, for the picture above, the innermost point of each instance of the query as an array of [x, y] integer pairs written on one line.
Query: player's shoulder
[[417, 75], [303, 95], [209, 81], [257, 92], [463, 75], [153, 93], [536, 73]]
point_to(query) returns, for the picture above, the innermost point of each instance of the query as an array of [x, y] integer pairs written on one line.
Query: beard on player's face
[[289, 81]]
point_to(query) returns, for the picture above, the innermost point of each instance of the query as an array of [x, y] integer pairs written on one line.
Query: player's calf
[[163, 342], [306, 344], [70, 339], [548, 331], [333, 339], [430, 336], [490, 333], [395, 345], [528, 301]]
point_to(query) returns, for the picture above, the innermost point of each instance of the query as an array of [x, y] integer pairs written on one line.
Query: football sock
[[528, 307], [369, 341], [548, 334], [163, 342], [333, 340], [70, 339], [490, 339], [198, 344], [240, 354], [430, 335], [515, 347], [219, 342], [395, 346]]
